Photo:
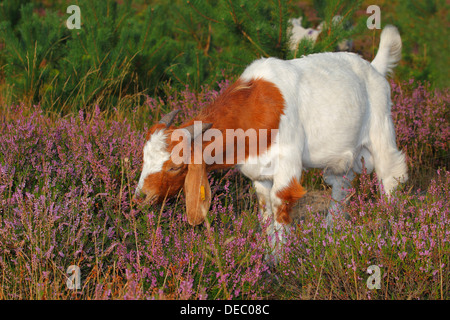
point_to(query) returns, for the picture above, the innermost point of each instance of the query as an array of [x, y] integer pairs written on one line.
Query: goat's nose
[[138, 197]]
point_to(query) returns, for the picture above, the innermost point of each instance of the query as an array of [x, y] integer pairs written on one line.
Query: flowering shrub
[[65, 189], [422, 124], [407, 237], [65, 199]]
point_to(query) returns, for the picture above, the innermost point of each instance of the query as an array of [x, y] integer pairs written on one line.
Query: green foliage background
[[128, 49], [424, 26]]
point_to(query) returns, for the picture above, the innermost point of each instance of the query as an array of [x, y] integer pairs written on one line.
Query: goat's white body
[[337, 111], [328, 109]]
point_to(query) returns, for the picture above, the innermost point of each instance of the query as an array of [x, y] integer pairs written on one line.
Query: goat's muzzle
[[140, 197]]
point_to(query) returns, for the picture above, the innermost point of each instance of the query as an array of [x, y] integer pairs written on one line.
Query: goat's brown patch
[[289, 196], [152, 130], [165, 183], [256, 104]]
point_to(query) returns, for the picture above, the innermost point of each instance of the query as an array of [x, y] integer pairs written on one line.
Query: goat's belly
[[337, 158], [332, 140]]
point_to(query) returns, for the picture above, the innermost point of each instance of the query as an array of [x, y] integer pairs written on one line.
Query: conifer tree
[[243, 31], [127, 48]]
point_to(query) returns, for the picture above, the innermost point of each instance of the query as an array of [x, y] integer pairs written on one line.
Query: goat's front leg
[[263, 189], [285, 193]]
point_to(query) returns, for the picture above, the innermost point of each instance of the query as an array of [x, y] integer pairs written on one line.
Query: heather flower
[[65, 199]]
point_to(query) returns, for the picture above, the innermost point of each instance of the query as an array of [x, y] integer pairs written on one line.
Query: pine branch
[[280, 34], [201, 14], [245, 34]]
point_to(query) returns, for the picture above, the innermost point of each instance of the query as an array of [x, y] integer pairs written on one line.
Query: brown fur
[[289, 196], [257, 104]]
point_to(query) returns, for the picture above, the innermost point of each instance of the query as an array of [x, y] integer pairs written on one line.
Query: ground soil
[[313, 202]]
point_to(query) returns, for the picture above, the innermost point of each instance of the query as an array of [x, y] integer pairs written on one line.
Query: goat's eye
[[173, 169]]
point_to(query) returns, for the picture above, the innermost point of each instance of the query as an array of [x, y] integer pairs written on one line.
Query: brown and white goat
[[248, 107], [326, 110]]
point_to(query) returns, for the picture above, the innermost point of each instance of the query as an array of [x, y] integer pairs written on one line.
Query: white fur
[[155, 154], [337, 110], [390, 51]]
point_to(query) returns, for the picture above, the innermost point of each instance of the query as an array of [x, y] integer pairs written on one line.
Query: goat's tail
[[389, 52]]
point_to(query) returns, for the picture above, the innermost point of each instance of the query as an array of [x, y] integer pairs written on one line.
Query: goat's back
[[327, 103]]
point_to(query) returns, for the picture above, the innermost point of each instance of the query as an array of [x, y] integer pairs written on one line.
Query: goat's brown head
[[163, 176]]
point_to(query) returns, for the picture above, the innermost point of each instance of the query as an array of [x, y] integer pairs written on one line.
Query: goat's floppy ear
[[198, 193]]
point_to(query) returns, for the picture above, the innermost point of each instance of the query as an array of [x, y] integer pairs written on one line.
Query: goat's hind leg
[[389, 162], [340, 185], [390, 166]]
